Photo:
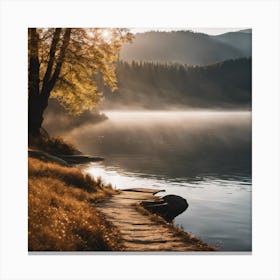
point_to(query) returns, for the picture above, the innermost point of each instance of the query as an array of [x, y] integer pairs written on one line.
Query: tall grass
[[53, 145], [61, 215], [69, 175]]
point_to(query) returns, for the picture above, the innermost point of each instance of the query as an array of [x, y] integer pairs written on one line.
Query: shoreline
[[134, 222], [143, 231]]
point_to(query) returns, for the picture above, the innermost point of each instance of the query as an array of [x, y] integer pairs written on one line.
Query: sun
[[106, 34]]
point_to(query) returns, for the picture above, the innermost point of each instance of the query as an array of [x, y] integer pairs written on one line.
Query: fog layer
[[178, 143]]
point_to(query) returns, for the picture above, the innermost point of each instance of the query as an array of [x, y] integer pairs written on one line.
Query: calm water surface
[[202, 156]]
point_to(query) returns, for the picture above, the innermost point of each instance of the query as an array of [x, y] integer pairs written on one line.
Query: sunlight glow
[[172, 115], [106, 35]]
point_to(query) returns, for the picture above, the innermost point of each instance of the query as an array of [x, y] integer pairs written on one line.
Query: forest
[[153, 86], [147, 85]]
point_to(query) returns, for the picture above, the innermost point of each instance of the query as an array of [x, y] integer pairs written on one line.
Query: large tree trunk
[[38, 98], [35, 114], [34, 111], [37, 104]]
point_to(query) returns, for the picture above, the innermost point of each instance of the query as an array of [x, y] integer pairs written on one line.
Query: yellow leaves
[[78, 99], [88, 64]]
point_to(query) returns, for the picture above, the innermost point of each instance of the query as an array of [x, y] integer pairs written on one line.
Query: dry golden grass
[[53, 145], [69, 175], [61, 215]]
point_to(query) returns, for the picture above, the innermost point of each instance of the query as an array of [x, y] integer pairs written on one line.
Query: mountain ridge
[[187, 47]]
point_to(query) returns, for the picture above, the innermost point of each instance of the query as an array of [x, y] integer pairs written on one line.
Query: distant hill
[[241, 40], [186, 47], [157, 86], [246, 31]]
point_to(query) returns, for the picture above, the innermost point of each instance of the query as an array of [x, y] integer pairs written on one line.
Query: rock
[[167, 207], [76, 159], [46, 157], [66, 160], [143, 190]]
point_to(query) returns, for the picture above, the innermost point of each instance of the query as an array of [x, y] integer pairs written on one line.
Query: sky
[[210, 31]]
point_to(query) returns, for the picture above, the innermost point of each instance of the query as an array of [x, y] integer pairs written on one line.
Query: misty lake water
[[203, 156]]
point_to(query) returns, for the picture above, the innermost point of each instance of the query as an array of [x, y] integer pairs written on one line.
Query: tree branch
[[34, 65], [47, 75], [66, 39]]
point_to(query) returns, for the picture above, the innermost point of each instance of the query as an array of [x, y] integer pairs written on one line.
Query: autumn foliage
[[71, 65]]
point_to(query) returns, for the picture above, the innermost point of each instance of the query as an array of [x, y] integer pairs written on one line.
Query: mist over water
[[204, 156], [172, 143]]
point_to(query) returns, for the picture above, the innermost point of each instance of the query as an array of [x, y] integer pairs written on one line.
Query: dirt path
[[140, 232]]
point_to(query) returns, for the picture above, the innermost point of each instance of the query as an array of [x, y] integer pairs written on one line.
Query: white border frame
[[262, 16]]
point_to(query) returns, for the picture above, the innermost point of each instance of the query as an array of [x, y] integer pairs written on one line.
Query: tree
[[68, 64]]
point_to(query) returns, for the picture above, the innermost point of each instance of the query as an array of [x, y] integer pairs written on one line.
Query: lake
[[203, 156]]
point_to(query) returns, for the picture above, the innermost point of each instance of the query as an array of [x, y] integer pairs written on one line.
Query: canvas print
[[139, 140]]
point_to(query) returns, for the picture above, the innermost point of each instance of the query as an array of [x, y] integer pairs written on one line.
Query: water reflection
[[204, 157], [219, 209]]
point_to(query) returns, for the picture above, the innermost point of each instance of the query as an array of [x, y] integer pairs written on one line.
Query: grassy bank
[[61, 212], [62, 215], [52, 145]]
